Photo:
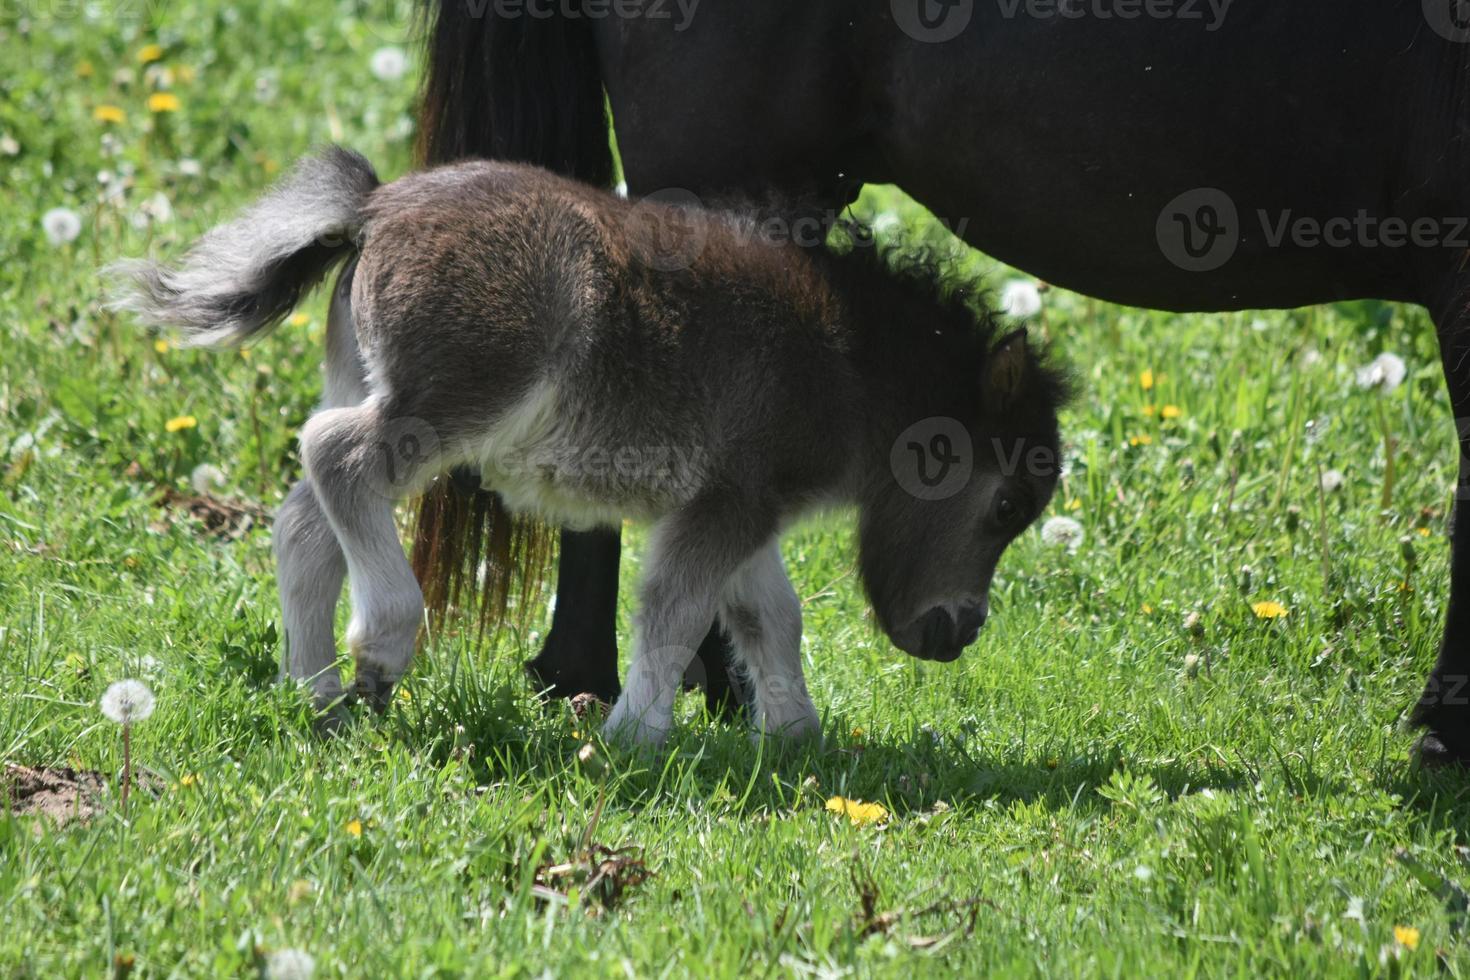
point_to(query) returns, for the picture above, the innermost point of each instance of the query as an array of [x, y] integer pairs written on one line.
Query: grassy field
[[1138, 770]]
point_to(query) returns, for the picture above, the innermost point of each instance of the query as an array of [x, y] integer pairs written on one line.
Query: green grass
[[1115, 794]]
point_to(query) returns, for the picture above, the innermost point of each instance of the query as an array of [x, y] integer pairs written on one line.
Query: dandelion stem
[[1297, 403], [1388, 468], [1322, 531], [127, 765]]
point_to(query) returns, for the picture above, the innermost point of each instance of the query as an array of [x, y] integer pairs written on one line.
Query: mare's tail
[[504, 86]]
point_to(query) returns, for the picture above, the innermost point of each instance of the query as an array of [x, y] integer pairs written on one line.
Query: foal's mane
[[931, 280]]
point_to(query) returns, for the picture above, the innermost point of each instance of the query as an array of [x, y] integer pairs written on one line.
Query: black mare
[[1178, 158]]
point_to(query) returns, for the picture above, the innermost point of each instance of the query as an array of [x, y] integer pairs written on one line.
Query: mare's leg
[[343, 449], [1444, 707], [760, 609], [692, 554], [309, 563], [581, 651]]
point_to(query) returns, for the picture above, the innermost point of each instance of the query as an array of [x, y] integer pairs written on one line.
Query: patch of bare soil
[[222, 518], [62, 794]]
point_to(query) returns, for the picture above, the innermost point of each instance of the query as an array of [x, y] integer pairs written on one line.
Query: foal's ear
[[1005, 370]]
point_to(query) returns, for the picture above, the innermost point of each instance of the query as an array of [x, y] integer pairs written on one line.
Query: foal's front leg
[[692, 555], [763, 614]]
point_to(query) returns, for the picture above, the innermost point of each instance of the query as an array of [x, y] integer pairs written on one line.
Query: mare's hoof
[[1436, 750], [588, 706], [570, 681]]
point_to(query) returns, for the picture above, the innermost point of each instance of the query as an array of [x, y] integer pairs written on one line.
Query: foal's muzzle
[[943, 637]]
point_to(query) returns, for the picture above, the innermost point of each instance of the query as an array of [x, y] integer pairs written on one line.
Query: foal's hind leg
[[309, 573], [309, 563], [344, 450], [760, 609]]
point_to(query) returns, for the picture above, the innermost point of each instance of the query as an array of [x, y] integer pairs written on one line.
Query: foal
[[500, 316]]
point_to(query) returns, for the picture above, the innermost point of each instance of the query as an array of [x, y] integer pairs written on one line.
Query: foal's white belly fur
[[538, 464]]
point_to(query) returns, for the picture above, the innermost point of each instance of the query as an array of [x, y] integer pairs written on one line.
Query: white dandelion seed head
[[1311, 357], [1062, 532], [189, 167], [389, 64], [159, 208], [1386, 372], [127, 702], [290, 964], [206, 477], [887, 223], [266, 87], [1020, 299], [1143, 872], [61, 225], [1332, 480]]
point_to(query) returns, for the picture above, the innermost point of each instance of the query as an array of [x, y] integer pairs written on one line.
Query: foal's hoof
[[333, 720], [1438, 751], [372, 688]]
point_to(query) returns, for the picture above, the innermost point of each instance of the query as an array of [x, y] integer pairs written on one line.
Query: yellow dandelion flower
[[861, 814], [403, 694], [245, 353], [188, 779], [1141, 440], [858, 733], [354, 827], [85, 69], [1148, 610], [1269, 609], [109, 114], [1170, 412], [1424, 532], [1052, 762], [149, 53], [179, 423], [299, 319], [163, 102], [1149, 410], [1406, 936], [1146, 379], [1075, 503], [161, 346]]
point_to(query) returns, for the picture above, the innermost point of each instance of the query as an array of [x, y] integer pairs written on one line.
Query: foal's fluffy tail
[[242, 278]]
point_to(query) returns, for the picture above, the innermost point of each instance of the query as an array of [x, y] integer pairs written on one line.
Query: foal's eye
[[1006, 510]]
